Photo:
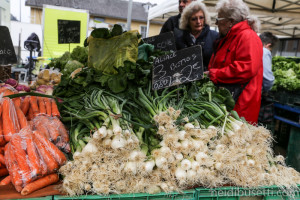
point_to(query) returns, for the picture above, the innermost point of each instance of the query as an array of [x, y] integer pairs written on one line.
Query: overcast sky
[[25, 10]]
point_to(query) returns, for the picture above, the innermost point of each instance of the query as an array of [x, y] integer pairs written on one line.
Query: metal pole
[[129, 15], [30, 67], [20, 10]]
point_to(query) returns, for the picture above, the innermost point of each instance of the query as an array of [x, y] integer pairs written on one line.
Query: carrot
[[9, 119], [0, 109], [40, 183], [48, 106], [40, 126], [55, 111], [2, 159], [20, 156], [22, 119], [5, 181], [3, 172], [2, 141], [33, 157], [62, 129], [55, 152], [2, 150], [11, 164], [42, 105], [53, 129], [34, 105], [17, 101], [8, 92], [49, 160], [25, 105], [30, 114]]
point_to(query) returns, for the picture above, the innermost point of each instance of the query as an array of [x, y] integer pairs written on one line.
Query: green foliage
[[80, 54], [287, 74], [71, 66], [60, 62], [116, 30]]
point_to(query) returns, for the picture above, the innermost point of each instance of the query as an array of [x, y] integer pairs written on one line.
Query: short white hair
[[188, 11], [238, 11]]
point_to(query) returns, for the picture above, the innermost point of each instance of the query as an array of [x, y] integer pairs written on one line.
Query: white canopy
[[282, 17]]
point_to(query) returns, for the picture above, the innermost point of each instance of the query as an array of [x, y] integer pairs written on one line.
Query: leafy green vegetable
[[71, 66], [80, 54], [287, 73], [116, 30]]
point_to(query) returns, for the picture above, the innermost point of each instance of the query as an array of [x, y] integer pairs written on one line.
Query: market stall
[[116, 128], [278, 16]]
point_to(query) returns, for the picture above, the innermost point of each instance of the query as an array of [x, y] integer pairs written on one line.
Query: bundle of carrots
[[32, 160], [54, 130], [33, 106]]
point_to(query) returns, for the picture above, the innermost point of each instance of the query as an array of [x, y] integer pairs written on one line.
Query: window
[[143, 31]]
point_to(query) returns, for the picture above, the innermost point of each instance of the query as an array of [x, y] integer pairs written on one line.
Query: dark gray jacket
[[170, 24], [206, 40]]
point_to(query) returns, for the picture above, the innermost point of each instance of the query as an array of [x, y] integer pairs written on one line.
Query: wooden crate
[[5, 72]]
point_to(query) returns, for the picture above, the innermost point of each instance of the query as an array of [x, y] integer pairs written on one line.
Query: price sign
[[7, 51], [68, 31], [164, 42], [182, 66]]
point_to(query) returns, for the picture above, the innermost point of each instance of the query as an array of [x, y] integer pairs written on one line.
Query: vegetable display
[[166, 140], [31, 140]]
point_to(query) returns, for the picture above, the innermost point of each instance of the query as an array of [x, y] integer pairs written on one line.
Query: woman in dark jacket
[[195, 30]]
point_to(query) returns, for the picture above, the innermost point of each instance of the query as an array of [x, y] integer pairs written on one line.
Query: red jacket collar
[[237, 28]]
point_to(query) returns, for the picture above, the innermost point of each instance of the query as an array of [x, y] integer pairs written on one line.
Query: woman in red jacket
[[237, 60]]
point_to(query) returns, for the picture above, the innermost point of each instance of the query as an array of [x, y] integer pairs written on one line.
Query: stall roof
[[282, 17]]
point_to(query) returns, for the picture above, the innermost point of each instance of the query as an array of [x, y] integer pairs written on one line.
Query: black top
[[206, 39], [171, 24]]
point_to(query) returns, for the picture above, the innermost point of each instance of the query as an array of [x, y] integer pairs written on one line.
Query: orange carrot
[[33, 157], [8, 92], [5, 181], [55, 152], [22, 119], [2, 141], [11, 164], [21, 157], [40, 183], [3, 172], [2, 150], [2, 159], [30, 114], [9, 119], [17, 101], [53, 129], [25, 105], [34, 105], [0, 109], [49, 160], [42, 105], [41, 126], [55, 111], [48, 106]]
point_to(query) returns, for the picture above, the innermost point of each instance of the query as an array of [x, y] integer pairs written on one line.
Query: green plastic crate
[[238, 193], [186, 195]]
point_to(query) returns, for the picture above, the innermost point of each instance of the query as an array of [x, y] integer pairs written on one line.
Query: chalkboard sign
[[7, 51], [182, 66], [68, 31], [164, 42]]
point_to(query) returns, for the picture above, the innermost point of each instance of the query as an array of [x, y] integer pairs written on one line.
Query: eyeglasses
[[220, 19], [195, 18]]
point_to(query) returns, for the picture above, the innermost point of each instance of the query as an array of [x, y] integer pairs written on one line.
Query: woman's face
[[196, 21], [224, 24]]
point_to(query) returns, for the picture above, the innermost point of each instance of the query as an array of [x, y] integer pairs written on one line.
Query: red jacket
[[238, 60]]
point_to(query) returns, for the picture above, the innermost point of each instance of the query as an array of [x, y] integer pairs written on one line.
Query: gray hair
[[188, 11], [238, 11]]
